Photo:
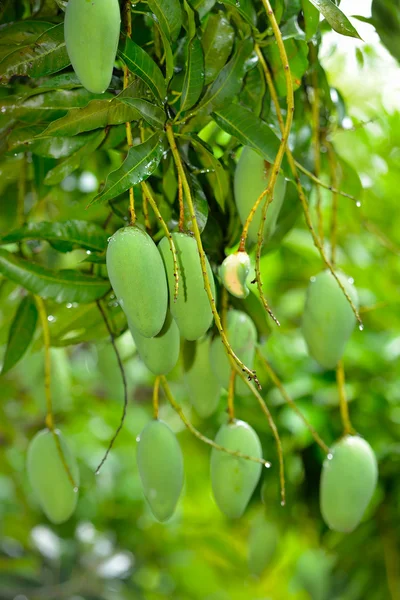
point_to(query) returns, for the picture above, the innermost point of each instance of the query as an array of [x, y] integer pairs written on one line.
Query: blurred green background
[[112, 548]]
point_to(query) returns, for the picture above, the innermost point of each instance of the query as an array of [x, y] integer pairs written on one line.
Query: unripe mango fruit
[[192, 310], [137, 275], [160, 463], [91, 30], [234, 479], [234, 272], [242, 336], [203, 387], [347, 484], [161, 352], [328, 319], [263, 541], [48, 477], [252, 175]]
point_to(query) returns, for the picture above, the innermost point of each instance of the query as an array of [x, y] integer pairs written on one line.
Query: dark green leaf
[[335, 17], [200, 205], [153, 114], [249, 129], [64, 236], [229, 81], [194, 75], [169, 16], [61, 286], [25, 138], [46, 55], [140, 163], [217, 176], [311, 18], [21, 332], [16, 35], [245, 8], [217, 41], [140, 63], [386, 19]]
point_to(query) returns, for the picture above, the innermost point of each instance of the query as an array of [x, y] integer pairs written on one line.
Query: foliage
[[67, 168]]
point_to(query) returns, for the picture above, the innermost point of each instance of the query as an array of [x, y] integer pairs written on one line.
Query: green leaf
[[140, 63], [140, 163], [245, 8], [386, 19], [194, 75], [217, 41], [25, 138], [229, 81], [169, 16], [73, 162], [249, 129], [16, 35], [64, 236], [46, 55], [21, 332], [335, 17], [311, 18], [61, 286], [98, 113], [153, 114]]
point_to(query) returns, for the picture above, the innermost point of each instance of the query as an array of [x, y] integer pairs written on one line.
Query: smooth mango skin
[[328, 319], [242, 336], [48, 478], [234, 272], [203, 387], [161, 352], [263, 540], [137, 276], [91, 30], [234, 479], [191, 310], [251, 179], [160, 463], [347, 484]]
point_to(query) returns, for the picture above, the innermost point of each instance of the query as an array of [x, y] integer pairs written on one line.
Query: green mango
[[234, 272], [263, 541], [160, 463], [251, 179], [91, 30], [313, 574], [137, 276], [234, 479], [161, 352], [328, 319], [48, 478], [242, 336], [203, 387], [348, 481], [192, 310]]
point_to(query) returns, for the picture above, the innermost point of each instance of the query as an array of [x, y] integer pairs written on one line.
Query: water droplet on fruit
[[138, 438], [329, 456], [358, 204]]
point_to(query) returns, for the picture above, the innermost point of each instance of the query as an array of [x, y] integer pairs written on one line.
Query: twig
[[344, 409]]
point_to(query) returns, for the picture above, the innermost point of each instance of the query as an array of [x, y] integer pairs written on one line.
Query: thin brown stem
[[124, 382], [231, 396], [145, 205], [344, 408], [199, 435], [47, 385], [181, 206]]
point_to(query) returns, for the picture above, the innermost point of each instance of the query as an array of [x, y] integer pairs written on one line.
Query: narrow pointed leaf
[[153, 114], [61, 286], [16, 35], [140, 163], [335, 17], [64, 236], [21, 333], [194, 75], [218, 177], [169, 16], [142, 65], [217, 41]]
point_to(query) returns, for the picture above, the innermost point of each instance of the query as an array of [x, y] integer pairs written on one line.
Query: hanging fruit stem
[[344, 408], [156, 395]]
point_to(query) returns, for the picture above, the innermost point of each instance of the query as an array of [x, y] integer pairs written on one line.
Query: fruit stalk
[[231, 396], [344, 409], [156, 396], [47, 384]]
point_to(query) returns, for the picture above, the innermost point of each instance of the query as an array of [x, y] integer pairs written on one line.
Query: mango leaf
[[139, 164], [142, 65], [64, 236], [73, 162], [229, 81], [46, 55], [386, 19], [249, 129], [21, 332], [311, 18], [98, 113], [153, 114], [217, 41], [200, 205], [61, 286], [25, 138], [335, 17], [16, 35], [194, 75], [169, 16], [245, 8]]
